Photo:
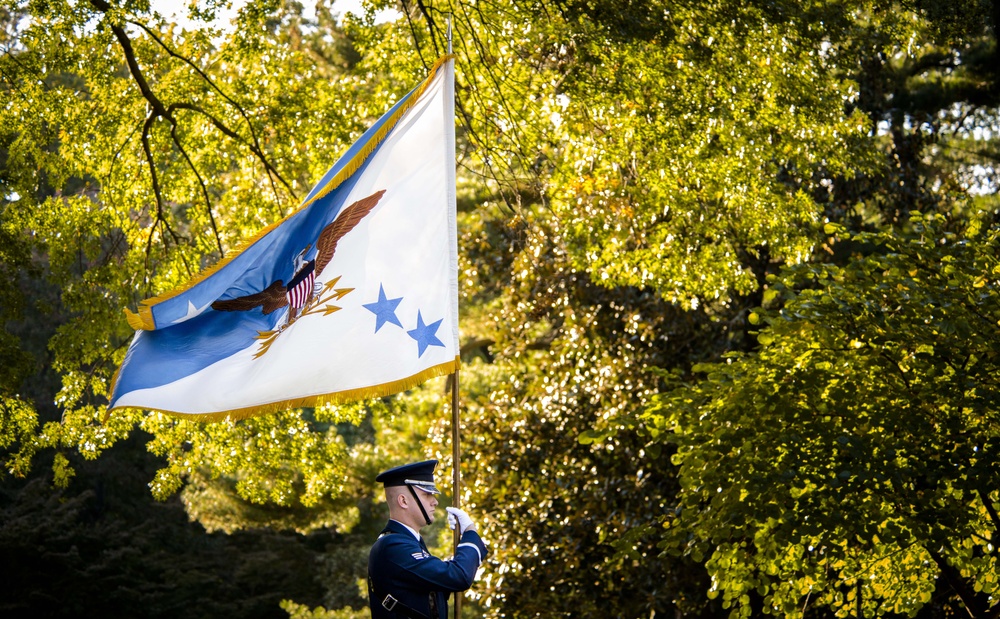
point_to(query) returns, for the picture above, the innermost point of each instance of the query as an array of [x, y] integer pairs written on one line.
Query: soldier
[[404, 579]]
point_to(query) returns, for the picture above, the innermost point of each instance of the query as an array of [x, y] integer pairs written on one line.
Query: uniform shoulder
[[391, 539]]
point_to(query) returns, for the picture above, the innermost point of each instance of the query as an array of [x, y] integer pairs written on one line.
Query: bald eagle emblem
[[302, 295]]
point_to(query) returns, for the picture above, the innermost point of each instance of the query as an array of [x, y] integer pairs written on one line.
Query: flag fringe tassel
[[143, 319], [341, 397]]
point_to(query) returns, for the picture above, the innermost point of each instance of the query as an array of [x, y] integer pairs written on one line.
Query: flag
[[354, 295]]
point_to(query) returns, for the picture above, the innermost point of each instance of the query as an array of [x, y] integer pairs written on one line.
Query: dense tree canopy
[[852, 459], [796, 200]]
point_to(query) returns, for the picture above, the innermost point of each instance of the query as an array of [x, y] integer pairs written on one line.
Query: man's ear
[[402, 500]]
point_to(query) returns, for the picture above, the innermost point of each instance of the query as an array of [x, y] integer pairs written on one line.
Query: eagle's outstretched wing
[[272, 298], [340, 226], [275, 297]]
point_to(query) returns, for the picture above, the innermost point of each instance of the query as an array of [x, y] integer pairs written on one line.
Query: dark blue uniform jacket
[[400, 565]]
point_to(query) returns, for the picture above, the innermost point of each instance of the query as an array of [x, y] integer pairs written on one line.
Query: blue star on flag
[[384, 309], [425, 335]]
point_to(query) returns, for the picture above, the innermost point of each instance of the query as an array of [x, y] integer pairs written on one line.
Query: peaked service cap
[[418, 474]]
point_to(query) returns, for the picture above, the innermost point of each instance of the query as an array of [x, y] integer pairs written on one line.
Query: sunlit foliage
[[852, 461], [140, 153], [633, 179]]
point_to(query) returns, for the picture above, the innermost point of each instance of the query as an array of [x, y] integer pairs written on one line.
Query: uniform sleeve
[[422, 571], [471, 538]]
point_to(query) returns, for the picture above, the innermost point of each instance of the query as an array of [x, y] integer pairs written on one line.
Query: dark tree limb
[[159, 110], [133, 65], [235, 136], [975, 604], [204, 189], [413, 32], [160, 217], [430, 25], [255, 146], [992, 511]]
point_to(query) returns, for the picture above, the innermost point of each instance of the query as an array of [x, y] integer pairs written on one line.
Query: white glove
[[457, 516]]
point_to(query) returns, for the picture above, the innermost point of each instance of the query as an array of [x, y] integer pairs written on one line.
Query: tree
[[103, 547], [139, 154], [631, 175], [854, 540], [569, 519], [643, 189], [135, 154], [851, 462]]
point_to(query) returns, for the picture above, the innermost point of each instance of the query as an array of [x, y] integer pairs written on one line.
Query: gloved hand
[[457, 516]]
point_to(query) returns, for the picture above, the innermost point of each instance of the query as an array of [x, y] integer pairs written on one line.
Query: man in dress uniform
[[404, 579]]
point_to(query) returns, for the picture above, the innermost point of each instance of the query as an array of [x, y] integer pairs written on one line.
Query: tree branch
[[160, 216], [255, 147], [431, 26], [992, 511], [133, 65], [413, 33], [147, 149], [159, 110], [204, 189], [954, 579]]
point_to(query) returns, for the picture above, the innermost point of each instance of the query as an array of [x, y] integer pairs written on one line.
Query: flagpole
[[457, 476], [456, 452]]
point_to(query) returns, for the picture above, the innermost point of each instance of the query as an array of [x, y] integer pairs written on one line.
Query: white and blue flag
[[354, 295]]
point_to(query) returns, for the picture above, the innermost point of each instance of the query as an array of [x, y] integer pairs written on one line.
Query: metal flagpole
[[456, 454]]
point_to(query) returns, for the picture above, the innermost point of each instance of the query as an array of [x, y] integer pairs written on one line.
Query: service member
[[404, 579]]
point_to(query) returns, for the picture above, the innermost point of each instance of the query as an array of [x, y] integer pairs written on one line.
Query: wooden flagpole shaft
[[456, 473]]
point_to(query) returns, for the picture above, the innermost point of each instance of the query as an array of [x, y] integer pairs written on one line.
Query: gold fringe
[[144, 319], [341, 397]]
